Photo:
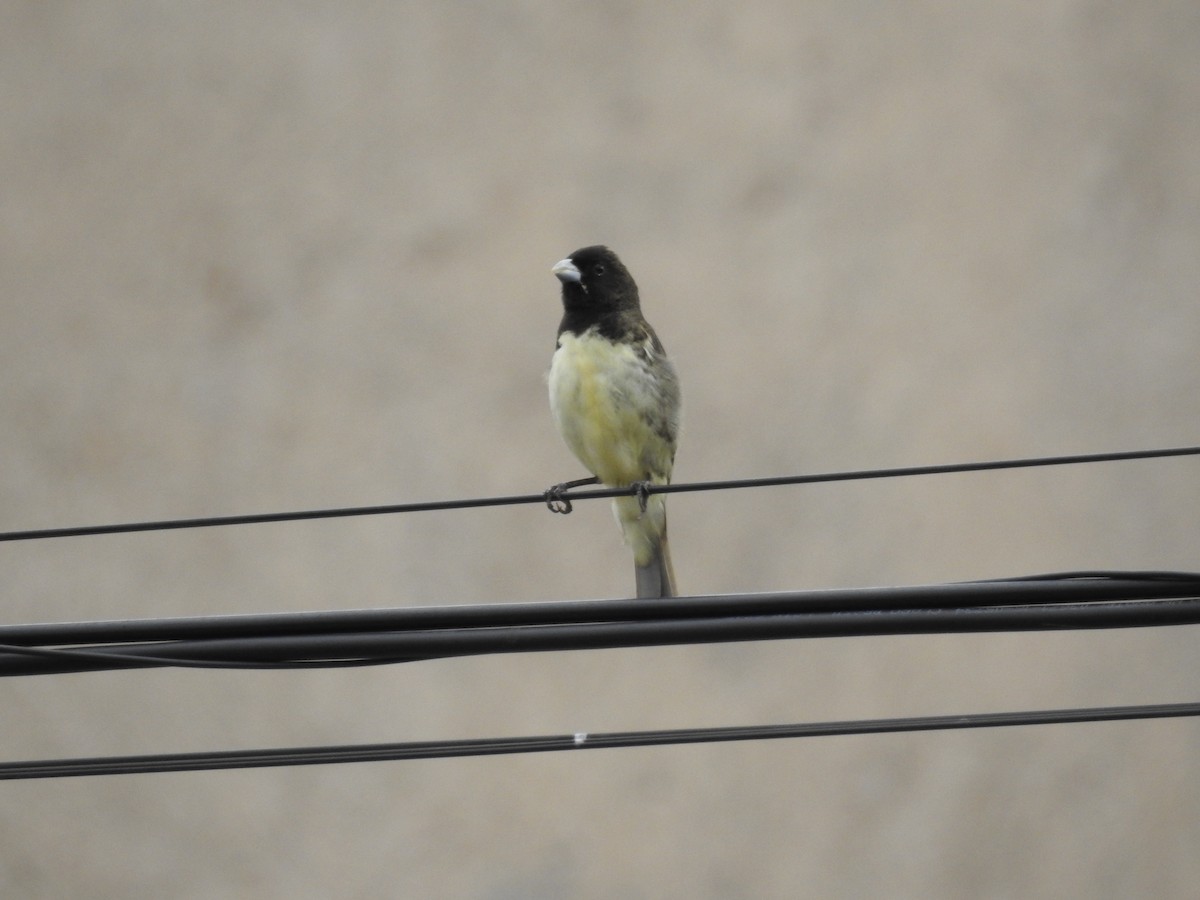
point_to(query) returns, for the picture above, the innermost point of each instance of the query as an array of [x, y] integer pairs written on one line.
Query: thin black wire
[[305, 756], [589, 494]]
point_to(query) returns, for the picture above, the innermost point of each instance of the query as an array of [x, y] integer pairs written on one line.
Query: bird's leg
[[641, 490], [556, 497]]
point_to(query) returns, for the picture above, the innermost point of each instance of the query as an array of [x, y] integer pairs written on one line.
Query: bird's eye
[[598, 269]]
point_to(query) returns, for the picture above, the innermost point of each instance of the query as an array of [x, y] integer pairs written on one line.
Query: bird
[[615, 397]]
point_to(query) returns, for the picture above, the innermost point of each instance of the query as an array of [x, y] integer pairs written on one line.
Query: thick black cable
[[375, 637], [1061, 587], [590, 494], [386, 647], [305, 756]]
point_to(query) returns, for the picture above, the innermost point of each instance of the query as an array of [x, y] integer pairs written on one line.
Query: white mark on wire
[[580, 738]]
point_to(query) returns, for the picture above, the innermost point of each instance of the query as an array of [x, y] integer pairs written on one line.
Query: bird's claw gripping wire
[[556, 497], [556, 500], [641, 490]]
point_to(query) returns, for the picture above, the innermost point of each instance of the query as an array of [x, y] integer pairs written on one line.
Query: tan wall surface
[[268, 256]]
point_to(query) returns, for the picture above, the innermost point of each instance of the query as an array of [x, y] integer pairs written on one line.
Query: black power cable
[[375, 637], [593, 493], [306, 756]]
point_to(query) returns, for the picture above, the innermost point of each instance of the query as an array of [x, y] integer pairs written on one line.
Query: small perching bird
[[615, 398]]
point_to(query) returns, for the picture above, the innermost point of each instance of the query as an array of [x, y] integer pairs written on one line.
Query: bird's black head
[[596, 282]]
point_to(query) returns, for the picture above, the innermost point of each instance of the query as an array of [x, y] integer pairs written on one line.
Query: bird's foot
[[556, 497], [641, 490]]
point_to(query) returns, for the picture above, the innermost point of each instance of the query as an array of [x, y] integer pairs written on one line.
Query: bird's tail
[[657, 577], [646, 533]]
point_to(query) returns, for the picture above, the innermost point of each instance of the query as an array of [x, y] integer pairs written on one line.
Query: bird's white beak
[[566, 270]]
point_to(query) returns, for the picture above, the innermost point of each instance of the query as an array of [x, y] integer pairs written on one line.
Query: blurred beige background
[[271, 256]]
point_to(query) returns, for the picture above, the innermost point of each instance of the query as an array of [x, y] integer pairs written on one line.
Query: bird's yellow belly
[[594, 391]]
